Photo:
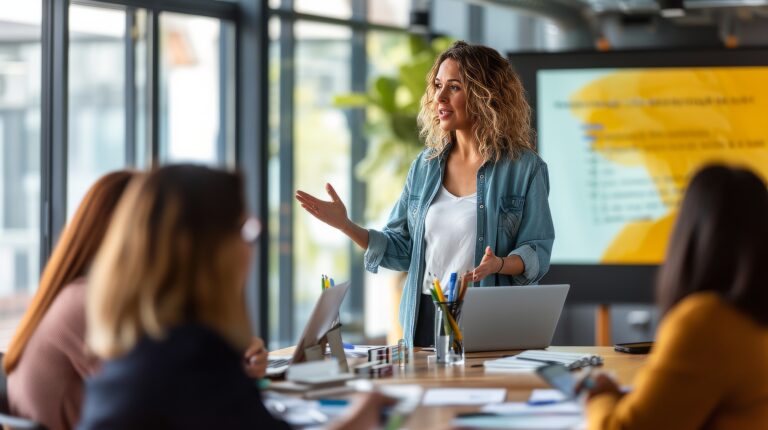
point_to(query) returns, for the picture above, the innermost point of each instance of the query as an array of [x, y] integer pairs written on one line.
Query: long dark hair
[[720, 242], [72, 255]]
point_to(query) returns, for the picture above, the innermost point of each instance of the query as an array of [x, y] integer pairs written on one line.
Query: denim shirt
[[513, 218]]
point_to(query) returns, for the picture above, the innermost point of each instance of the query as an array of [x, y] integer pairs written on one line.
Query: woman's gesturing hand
[[489, 265], [333, 213]]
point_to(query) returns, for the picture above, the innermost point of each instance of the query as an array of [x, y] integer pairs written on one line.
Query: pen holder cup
[[449, 343]]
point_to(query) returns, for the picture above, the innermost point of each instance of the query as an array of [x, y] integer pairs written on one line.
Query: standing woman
[[475, 199]]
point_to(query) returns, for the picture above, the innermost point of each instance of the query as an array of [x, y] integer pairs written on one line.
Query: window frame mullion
[[53, 123]]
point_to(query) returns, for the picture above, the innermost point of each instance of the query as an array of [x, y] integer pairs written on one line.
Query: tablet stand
[[332, 338]]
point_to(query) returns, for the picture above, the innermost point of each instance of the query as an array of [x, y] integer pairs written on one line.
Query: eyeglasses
[[251, 229]]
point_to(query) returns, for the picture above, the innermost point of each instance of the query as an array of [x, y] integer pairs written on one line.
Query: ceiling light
[[672, 8]]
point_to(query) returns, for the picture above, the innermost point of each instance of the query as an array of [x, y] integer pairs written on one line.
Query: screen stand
[[333, 339]]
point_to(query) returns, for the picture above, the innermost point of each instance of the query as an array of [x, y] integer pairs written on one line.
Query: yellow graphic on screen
[[671, 122]]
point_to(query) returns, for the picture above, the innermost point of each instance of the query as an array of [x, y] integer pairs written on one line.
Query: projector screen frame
[[618, 283]]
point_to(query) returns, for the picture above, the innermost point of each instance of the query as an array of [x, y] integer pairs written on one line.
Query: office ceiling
[[597, 7], [649, 6], [582, 13]]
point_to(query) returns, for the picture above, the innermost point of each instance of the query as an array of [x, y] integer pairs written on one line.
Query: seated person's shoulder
[[190, 368], [706, 320], [63, 325], [70, 300], [702, 309], [178, 354]]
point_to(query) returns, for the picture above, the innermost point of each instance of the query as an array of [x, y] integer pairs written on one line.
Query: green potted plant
[[392, 104]]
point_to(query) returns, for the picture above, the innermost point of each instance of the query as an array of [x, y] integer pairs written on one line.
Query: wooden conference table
[[519, 386]]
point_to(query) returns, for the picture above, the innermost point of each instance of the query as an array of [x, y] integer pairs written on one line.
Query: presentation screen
[[622, 133]]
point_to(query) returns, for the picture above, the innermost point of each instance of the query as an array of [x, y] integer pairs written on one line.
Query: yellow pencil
[[439, 290]]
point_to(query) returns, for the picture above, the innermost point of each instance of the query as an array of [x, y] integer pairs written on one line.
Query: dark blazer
[[192, 379]]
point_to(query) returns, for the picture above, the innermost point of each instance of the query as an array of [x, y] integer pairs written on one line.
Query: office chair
[[8, 421]]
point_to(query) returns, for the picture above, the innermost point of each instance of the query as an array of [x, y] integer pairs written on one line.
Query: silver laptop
[[504, 318], [324, 317]]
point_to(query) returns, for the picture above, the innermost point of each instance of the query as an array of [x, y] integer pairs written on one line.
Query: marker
[[333, 402], [542, 402]]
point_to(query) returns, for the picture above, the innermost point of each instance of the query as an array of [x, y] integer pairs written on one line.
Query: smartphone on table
[[634, 348]]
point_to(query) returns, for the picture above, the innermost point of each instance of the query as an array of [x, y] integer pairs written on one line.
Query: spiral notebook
[[528, 361]]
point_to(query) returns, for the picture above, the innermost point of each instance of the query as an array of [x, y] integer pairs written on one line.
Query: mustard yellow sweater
[[708, 369]]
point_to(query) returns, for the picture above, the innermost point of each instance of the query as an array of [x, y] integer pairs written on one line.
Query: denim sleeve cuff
[[377, 244], [530, 261]]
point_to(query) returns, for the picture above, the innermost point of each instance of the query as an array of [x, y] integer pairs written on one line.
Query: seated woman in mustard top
[[709, 366]]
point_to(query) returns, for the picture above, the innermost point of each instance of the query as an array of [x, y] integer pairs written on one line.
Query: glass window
[[141, 41], [449, 17], [191, 89], [321, 154], [333, 8], [96, 142], [274, 186], [389, 12], [386, 51], [20, 69]]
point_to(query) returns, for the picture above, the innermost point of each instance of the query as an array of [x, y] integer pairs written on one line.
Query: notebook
[[528, 361]]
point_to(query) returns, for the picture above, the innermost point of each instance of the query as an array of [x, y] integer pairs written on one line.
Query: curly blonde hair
[[496, 104]]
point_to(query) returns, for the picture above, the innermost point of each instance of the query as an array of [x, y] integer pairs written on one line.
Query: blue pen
[[542, 402], [333, 402], [348, 345], [452, 287]]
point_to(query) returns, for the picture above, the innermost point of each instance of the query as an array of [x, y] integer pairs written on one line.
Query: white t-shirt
[[450, 232]]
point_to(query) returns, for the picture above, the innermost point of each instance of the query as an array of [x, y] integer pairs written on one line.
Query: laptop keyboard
[[278, 362]]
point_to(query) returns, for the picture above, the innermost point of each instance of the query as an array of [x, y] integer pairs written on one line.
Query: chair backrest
[[8, 421], [4, 407]]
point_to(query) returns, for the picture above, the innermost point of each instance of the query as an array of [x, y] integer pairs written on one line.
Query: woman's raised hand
[[489, 265], [333, 213]]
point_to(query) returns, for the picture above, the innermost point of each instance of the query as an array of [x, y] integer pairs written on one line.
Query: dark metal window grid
[[248, 122]]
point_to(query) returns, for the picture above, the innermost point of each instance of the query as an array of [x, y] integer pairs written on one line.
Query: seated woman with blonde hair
[[47, 361], [709, 366], [166, 310]]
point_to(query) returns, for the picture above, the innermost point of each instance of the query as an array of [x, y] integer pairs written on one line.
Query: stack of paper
[[528, 361], [536, 414]]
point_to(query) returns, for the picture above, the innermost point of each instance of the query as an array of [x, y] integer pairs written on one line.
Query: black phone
[[559, 377], [634, 348]]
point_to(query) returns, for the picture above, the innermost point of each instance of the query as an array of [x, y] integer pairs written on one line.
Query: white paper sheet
[[463, 396], [522, 408], [526, 422]]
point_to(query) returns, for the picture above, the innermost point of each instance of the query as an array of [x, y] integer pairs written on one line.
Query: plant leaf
[[351, 100], [385, 93]]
